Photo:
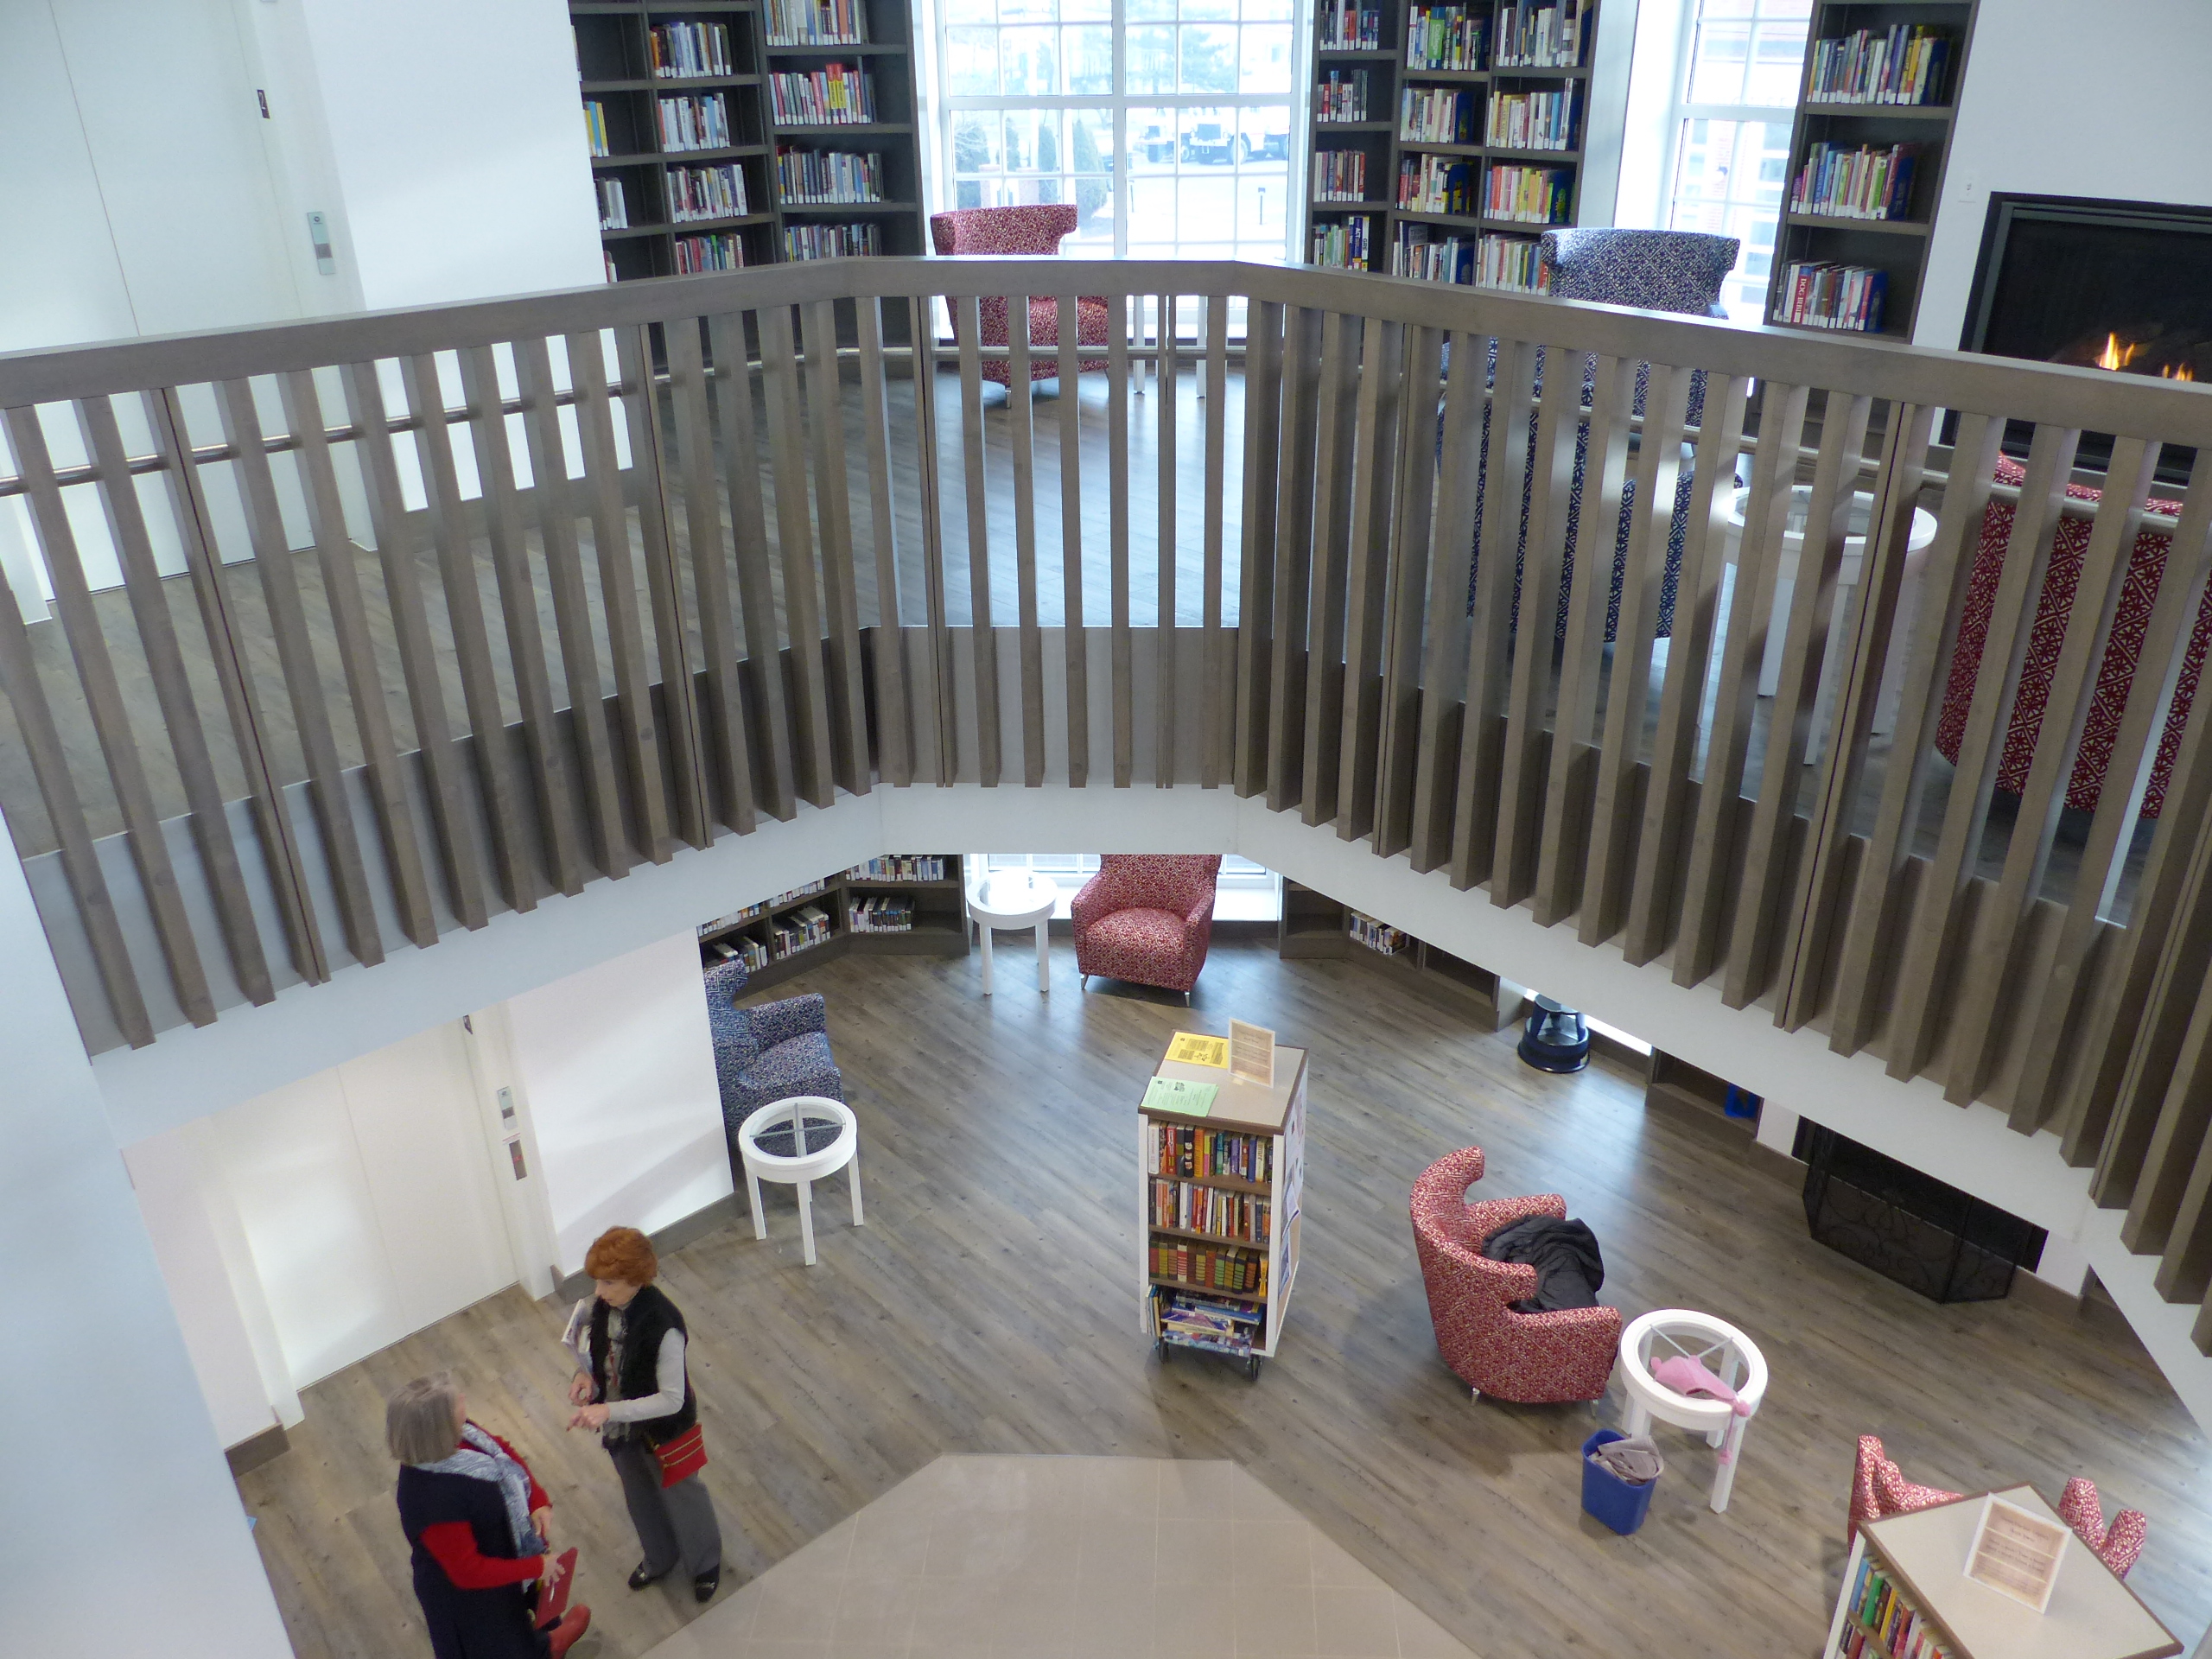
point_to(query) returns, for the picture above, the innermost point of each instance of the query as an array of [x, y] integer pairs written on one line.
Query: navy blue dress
[[493, 1623]]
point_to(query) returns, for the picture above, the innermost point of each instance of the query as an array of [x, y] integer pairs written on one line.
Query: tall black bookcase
[[618, 79]]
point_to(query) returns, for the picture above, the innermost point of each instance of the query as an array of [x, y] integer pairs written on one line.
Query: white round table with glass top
[[1013, 899]]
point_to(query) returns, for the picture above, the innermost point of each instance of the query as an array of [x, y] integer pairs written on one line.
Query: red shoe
[[564, 1635]]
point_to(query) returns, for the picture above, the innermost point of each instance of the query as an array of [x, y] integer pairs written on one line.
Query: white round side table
[[1723, 1350], [802, 1168], [1011, 898]]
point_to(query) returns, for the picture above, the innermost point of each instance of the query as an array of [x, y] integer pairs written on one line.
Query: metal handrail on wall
[[328, 666]]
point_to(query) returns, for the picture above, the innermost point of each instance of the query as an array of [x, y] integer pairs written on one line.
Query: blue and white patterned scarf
[[479, 1457]]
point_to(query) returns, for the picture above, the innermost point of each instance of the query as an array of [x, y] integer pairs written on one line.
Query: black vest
[[650, 1317]]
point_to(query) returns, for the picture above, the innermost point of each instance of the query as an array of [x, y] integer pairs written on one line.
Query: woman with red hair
[[627, 1340]]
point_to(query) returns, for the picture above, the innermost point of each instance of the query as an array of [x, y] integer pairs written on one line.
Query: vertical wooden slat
[[1218, 702], [557, 531], [1401, 750], [1863, 962], [303, 679], [1935, 934], [984, 636], [545, 756], [1168, 715], [1482, 730], [1293, 548], [1263, 339], [833, 513], [811, 748], [946, 746], [1076, 669], [1443, 651], [165, 669], [1335, 459], [2166, 1197], [756, 582], [1117, 535], [1765, 866], [1021, 426], [893, 722], [1367, 578], [689, 793], [1615, 808], [1705, 550], [723, 739], [480, 692], [111, 717]]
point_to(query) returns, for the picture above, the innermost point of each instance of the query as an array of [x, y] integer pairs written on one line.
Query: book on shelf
[[681, 50], [1533, 195], [1906, 63], [898, 867], [1225, 1213], [879, 913], [1348, 26], [827, 177], [831, 241], [1512, 261], [1236, 1272], [800, 930], [1193, 1321], [1868, 182], [1538, 35], [736, 918], [1378, 937], [715, 251], [751, 952], [1437, 115], [1341, 95], [1446, 37], [1533, 120], [1345, 243], [612, 276], [1340, 175], [714, 191], [1188, 1152], [1829, 295], [817, 22], [595, 127], [694, 121], [613, 208], [1885, 1624], [1436, 184], [1429, 254], [836, 95]]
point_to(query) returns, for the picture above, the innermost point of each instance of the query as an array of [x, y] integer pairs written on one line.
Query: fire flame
[[2178, 371], [2116, 355]]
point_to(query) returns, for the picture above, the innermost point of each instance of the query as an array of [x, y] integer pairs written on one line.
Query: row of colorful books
[[1822, 294], [1881, 1615], [1533, 120], [837, 95], [1903, 64], [899, 867], [800, 930], [737, 948], [817, 22], [1534, 195], [880, 914], [1866, 182], [1379, 936], [1237, 1272], [1184, 1150], [685, 50], [694, 121], [1339, 176], [1341, 95], [1346, 26], [1213, 1210], [831, 241], [613, 206], [1437, 115], [1191, 1320], [1430, 255], [1436, 184], [1540, 34], [1445, 37], [829, 176], [716, 191], [595, 127], [1345, 243]]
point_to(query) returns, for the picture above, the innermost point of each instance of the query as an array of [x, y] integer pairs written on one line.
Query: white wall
[[618, 1073]]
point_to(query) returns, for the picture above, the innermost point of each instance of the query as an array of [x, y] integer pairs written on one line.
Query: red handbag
[[682, 1456]]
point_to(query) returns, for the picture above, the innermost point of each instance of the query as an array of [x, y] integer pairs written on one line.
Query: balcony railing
[[328, 668]]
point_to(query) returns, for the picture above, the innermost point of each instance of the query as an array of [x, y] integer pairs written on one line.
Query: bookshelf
[[1220, 1212], [729, 132], [903, 904], [1905, 1595], [1861, 108], [1315, 927], [1445, 139]]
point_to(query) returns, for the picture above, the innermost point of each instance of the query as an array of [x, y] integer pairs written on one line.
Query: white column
[[120, 1530]]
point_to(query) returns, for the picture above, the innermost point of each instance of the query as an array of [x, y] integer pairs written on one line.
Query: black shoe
[[640, 1578], [706, 1584]]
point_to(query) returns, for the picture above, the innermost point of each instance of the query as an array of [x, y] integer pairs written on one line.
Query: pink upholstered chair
[[1529, 1357], [1019, 229], [1146, 918], [1878, 1488]]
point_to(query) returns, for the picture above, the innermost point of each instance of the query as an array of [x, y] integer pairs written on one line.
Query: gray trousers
[[675, 1524]]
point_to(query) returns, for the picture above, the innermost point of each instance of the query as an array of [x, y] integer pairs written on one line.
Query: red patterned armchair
[[1019, 229], [1880, 1488], [1146, 918], [1532, 1358]]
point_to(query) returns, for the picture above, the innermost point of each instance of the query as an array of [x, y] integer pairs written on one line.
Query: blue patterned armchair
[[766, 1054], [1654, 270]]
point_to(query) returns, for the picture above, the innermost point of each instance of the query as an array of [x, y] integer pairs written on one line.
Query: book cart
[[1906, 1595], [1219, 1197]]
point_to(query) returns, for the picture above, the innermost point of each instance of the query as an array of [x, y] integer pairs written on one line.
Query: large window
[[1735, 98], [1039, 98], [1245, 892]]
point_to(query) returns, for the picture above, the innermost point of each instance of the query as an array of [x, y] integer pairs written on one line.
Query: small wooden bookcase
[[1906, 1596], [1183, 1163], [1315, 927], [883, 907]]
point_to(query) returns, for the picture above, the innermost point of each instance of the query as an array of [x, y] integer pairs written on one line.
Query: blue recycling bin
[[1619, 1504]]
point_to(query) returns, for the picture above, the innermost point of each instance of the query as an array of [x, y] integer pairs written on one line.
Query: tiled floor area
[[1068, 1558]]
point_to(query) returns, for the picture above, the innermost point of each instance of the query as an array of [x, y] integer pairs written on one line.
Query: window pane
[[1263, 135], [1778, 64], [1728, 183], [971, 11], [1029, 61], [1208, 138], [1208, 60], [1027, 11], [1151, 60], [971, 61], [1266, 60], [1087, 54], [974, 143], [1717, 61], [1146, 11], [1152, 140]]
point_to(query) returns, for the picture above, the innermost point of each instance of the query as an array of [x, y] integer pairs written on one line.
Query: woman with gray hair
[[476, 1522]]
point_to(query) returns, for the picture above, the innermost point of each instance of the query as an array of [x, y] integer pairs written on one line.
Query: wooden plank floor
[[989, 1305]]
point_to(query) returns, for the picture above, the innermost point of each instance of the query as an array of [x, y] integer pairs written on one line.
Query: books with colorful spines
[[1903, 64], [898, 867], [1533, 120], [827, 177], [1865, 182], [1534, 195], [1346, 27], [1342, 244], [1544, 36], [694, 121], [1445, 37], [1339, 176], [683, 50], [1511, 262], [1436, 115], [713, 192], [831, 241], [595, 126], [1436, 184], [613, 208], [817, 22], [1341, 96], [836, 95]]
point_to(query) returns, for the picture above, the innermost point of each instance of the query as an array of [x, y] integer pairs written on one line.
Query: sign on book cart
[[2016, 1553], [1251, 1053]]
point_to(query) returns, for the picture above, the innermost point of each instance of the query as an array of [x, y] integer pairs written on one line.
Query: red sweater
[[453, 1545]]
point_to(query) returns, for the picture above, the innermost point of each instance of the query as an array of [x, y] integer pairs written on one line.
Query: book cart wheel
[[1251, 1368], [1164, 1346]]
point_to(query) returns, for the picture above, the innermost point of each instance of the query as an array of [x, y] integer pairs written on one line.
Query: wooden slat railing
[[364, 630]]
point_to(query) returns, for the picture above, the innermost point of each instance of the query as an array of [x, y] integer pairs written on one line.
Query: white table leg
[[1044, 958], [1724, 1476], [752, 1197], [853, 1175], [1638, 1421], [984, 928], [806, 1218]]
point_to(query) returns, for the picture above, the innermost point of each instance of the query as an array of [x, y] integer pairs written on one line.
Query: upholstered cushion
[[1653, 271], [1168, 900], [801, 1066]]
